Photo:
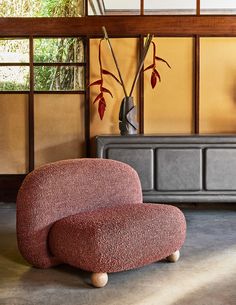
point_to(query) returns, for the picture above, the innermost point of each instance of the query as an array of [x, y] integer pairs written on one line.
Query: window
[[59, 64], [34, 72], [169, 7], [41, 8], [14, 64], [109, 7], [218, 7], [160, 7]]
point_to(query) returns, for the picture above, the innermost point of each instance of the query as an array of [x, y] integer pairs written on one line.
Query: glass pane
[[218, 7], [58, 50], [94, 8], [111, 7], [41, 8], [59, 78], [14, 78], [169, 7], [14, 50]]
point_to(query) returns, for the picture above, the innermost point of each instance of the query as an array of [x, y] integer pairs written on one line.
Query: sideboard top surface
[[169, 138]]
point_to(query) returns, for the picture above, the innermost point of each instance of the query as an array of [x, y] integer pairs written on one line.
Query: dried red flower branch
[[155, 74], [100, 97]]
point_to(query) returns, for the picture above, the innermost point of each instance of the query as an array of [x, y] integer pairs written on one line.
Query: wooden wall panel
[[168, 108], [59, 127], [13, 133], [218, 85]]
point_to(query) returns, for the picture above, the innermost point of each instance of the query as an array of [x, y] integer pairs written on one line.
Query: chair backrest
[[64, 188]]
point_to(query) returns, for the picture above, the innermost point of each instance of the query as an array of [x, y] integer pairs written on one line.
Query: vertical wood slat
[[86, 8], [31, 107], [141, 7], [197, 84], [87, 98], [198, 7], [141, 88]]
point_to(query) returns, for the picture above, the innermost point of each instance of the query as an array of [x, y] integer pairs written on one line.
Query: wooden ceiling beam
[[119, 26]]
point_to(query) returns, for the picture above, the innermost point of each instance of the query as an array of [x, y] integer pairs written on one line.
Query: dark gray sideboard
[[178, 168]]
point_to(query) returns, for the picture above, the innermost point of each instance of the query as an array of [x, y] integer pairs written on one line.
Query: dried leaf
[[111, 74], [101, 108], [157, 74], [98, 97], [153, 80], [163, 60], [97, 82], [149, 67], [107, 91]]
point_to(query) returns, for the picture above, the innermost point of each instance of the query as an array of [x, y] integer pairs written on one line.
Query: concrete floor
[[204, 275]]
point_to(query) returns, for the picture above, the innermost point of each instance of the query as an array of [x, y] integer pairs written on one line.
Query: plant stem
[[145, 50], [114, 58]]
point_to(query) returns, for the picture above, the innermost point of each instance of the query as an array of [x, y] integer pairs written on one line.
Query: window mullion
[[198, 6], [31, 106]]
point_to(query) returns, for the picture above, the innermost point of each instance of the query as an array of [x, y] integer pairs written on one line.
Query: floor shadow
[[209, 246], [9, 249], [59, 276]]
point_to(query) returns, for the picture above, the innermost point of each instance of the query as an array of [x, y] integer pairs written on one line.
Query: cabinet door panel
[[179, 169], [221, 169], [140, 159]]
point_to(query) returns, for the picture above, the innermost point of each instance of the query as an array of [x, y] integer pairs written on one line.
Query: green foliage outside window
[[41, 8], [62, 50], [14, 78], [46, 50], [58, 78], [58, 50]]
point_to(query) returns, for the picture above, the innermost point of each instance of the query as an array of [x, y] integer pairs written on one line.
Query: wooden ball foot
[[99, 280], [174, 257]]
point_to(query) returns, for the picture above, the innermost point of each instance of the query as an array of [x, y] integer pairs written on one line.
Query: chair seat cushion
[[118, 238]]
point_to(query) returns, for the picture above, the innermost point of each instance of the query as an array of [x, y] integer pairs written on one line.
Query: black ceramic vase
[[128, 124]]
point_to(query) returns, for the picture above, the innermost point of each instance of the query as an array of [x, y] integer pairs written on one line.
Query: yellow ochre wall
[[59, 118], [13, 133], [168, 108], [59, 127], [126, 52], [218, 85], [59, 130]]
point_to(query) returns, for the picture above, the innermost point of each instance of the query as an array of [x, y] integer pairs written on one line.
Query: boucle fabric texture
[[65, 188], [118, 238]]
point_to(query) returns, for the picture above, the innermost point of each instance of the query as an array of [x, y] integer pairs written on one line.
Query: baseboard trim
[[9, 186]]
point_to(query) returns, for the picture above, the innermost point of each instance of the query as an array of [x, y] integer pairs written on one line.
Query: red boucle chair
[[89, 213]]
